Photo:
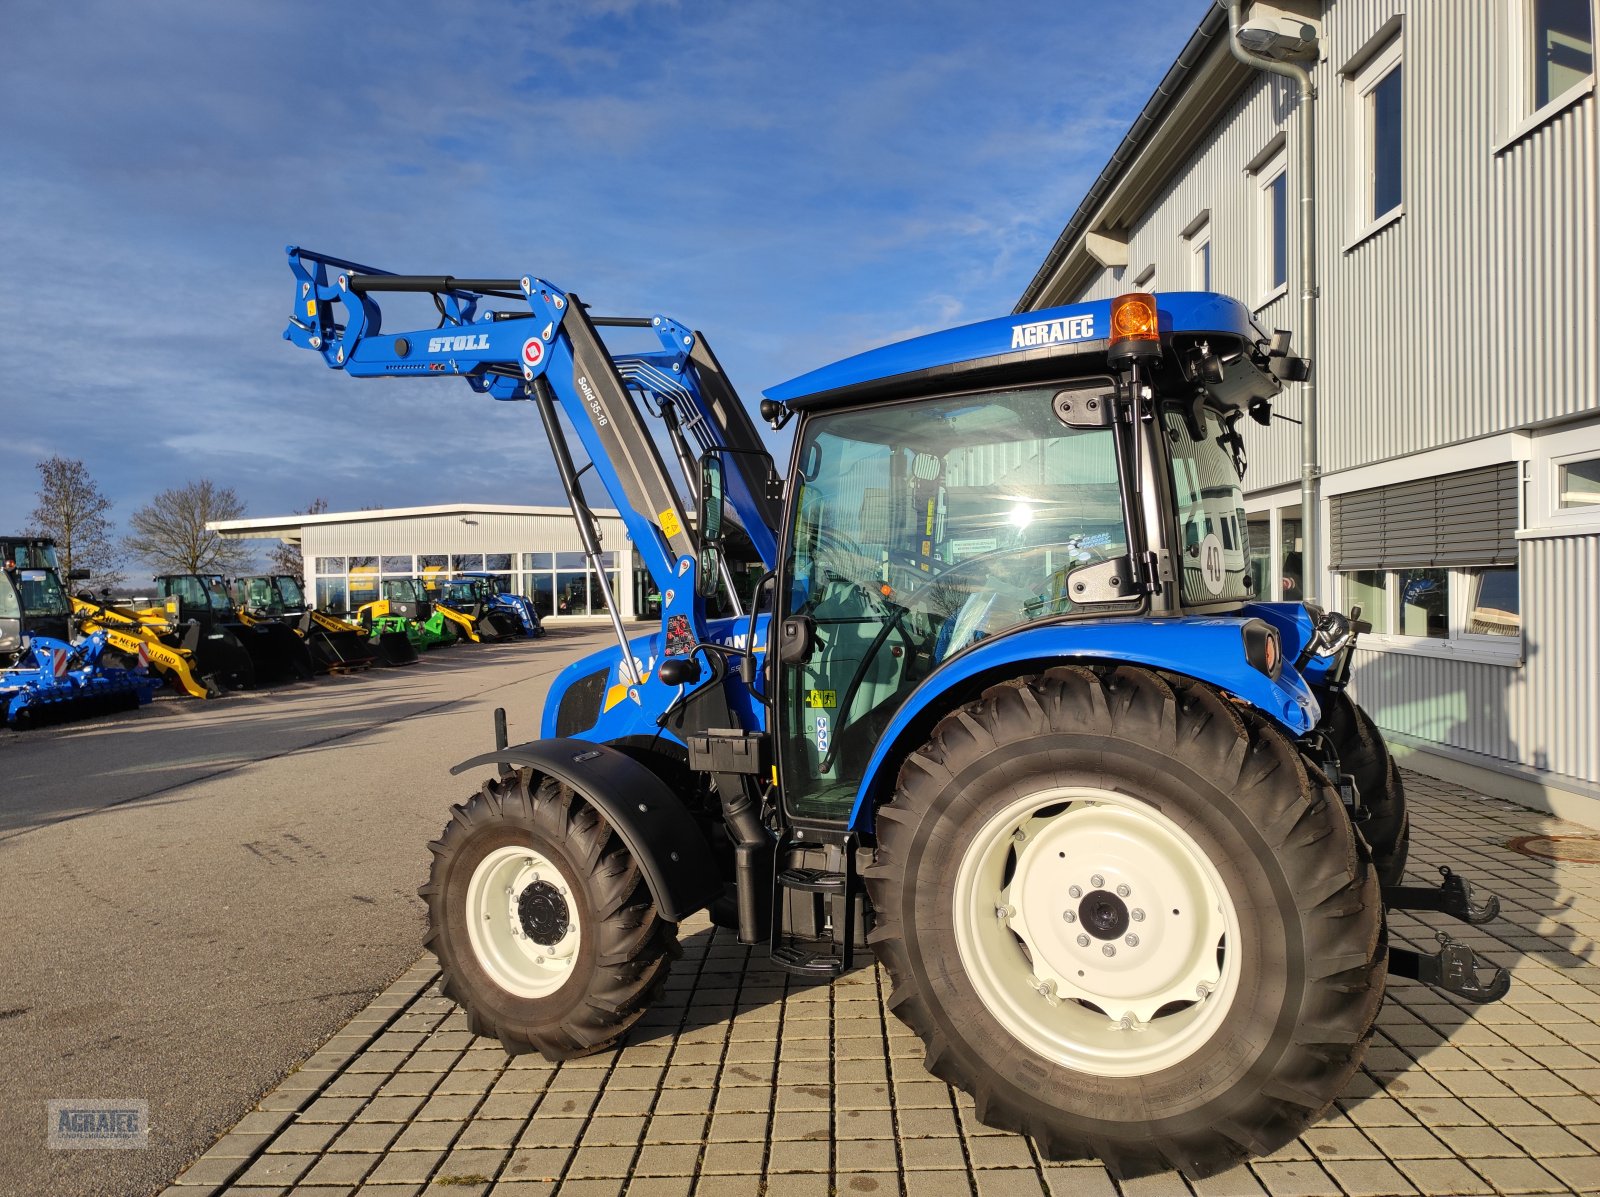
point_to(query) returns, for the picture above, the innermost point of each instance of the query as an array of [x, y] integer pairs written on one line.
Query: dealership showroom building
[[532, 550]]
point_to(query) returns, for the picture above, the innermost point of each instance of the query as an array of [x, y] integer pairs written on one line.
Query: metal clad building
[[1458, 366], [535, 550]]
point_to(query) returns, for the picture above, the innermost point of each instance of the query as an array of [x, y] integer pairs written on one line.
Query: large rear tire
[[1363, 754], [542, 922], [1126, 916]]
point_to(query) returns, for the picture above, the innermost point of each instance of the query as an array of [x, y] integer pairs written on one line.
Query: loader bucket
[[500, 625], [394, 648], [221, 661], [340, 652], [276, 653]]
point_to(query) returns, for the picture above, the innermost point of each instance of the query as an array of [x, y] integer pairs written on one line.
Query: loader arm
[[549, 352]]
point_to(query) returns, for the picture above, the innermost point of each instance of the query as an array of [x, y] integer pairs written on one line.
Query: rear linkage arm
[[1454, 967]]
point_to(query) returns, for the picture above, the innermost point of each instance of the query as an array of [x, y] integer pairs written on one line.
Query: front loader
[[335, 646], [472, 600], [405, 609], [1005, 710], [201, 602]]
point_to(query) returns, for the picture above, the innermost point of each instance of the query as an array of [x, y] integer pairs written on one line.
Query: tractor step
[[812, 881], [817, 906], [815, 959], [1453, 896], [1453, 968]]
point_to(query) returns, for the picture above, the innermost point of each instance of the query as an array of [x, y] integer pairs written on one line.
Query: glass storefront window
[[331, 594], [571, 561], [1291, 571], [466, 561], [399, 566], [540, 589], [497, 563], [572, 593], [330, 565], [536, 561], [432, 563]]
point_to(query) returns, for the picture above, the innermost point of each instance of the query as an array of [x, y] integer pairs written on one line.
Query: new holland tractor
[[336, 646], [1006, 710], [474, 598]]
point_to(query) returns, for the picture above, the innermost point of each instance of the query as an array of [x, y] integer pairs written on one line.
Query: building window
[[1560, 52], [1272, 226], [1434, 561], [1199, 241], [1377, 119], [1578, 485]]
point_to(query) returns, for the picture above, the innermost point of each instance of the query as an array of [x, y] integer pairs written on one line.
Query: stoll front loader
[[1011, 715], [405, 608], [336, 646]]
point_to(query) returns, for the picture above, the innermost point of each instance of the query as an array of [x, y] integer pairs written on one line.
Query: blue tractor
[[1005, 708], [518, 606]]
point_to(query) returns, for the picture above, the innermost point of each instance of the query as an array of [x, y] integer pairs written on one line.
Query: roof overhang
[[288, 527]]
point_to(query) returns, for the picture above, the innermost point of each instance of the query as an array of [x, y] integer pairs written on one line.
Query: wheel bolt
[[1069, 916], [1123, 891], [1097, 881], [1074, 891], [1137, 916], [1132, 941], [1083, 941], [1109, 949]]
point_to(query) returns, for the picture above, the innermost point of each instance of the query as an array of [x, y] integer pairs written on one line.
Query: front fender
[[1209, 649], [649, 818]]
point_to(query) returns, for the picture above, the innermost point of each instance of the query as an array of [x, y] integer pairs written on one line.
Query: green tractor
[[405, 608]]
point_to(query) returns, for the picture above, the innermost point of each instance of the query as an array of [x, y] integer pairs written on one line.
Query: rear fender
[[649, 818], [1209, 649]]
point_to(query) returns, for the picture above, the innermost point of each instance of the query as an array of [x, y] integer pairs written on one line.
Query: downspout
[[1310, 471]]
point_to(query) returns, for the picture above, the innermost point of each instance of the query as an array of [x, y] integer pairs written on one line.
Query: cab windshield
[[42, 593], [294, 599], [920, 529], [403, 590]]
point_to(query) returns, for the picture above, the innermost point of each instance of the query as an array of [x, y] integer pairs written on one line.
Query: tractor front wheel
[[545, 930], [1127, 917]]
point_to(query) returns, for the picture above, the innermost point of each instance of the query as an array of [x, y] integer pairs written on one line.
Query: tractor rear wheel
[[1364, 755], [542, 922], [1130, 918]]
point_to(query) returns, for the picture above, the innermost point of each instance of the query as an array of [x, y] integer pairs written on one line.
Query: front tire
[[543, 925], [1364, 755], [1244, 921]]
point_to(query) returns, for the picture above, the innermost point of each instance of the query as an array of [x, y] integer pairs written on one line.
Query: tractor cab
[[468, 595], [30, 563], [274, 596], [10, 618], [196, 598], [407, 599], [937, 511]]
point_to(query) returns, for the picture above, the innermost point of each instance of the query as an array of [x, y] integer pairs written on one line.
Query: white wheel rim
[[1152, 896], [508, 886]]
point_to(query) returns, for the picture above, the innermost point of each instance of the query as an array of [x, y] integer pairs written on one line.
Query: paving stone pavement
[[744, 1081]]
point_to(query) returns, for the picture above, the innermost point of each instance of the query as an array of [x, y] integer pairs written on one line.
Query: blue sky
[[799, 181]]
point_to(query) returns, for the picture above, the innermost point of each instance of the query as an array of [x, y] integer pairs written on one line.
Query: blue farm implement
[[1006, 707], [52, 681]]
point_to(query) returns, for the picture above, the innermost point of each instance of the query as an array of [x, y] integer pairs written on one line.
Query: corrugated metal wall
[[1472, 314], [493, 532], [1545, 714], [1477, 312]]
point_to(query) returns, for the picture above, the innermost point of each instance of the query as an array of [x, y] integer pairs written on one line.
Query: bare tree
[[170, 533], [72, 512], [285, 557]]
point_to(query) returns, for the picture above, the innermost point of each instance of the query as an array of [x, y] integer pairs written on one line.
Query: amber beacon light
[[1135, 326]]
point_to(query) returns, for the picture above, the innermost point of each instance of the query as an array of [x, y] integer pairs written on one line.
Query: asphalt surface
[[193, 898]]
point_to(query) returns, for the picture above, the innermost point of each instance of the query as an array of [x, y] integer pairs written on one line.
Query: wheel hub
[[1082, 915], [543, 913], [523, 921], [1104, 915]]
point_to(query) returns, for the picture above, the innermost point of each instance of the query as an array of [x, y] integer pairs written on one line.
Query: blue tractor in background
[[519, 606], [1006, 709]]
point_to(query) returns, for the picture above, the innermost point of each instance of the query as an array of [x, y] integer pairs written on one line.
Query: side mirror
[[710, 521], [77, 575]]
